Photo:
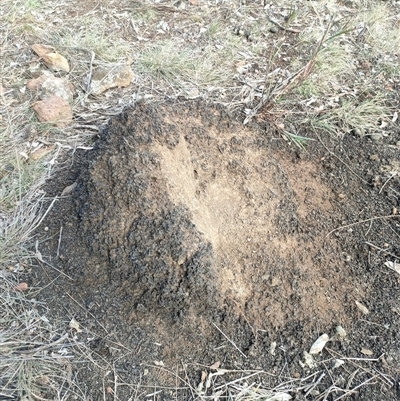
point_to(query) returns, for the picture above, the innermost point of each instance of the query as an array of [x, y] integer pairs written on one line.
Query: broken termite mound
[[186, 212]]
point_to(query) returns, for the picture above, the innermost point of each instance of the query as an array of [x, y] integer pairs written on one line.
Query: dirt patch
[[184, 222]]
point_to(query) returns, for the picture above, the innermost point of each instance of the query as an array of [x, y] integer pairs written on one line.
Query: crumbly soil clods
[[192, 214], [184, 219]]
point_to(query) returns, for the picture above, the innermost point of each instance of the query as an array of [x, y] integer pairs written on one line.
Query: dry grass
[[176, 66], [349, 115], [35, 357], [31, 364], [92, 34]]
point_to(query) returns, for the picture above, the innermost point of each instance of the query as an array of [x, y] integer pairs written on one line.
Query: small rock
[[374, 157], [273, 29], [275, 281], [22, 287], [398, 144], [68, 189], [340, 331], [376, 137], [110, 77], [54, 110], [48, 85], [358, 132], [58, 87], [36, 83], [309, 360], [141, 308], [191, 92]]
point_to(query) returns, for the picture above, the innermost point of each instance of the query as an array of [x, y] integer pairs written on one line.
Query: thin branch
[[361, 222], [382, 250], [229, 339]]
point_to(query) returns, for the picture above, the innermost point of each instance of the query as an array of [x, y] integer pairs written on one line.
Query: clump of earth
[[191, 237]]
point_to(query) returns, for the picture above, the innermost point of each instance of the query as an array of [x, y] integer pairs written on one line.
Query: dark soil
[[184, 224]]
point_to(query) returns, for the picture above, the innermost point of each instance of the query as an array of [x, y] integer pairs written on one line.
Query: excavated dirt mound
[[185, 223], [194, 217]]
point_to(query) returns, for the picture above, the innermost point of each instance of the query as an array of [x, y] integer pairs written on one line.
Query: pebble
[[376, 137], [340, 331], [374, 157], [358, 132], [273, 29]]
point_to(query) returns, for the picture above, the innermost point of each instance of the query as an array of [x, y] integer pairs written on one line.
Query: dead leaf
[[319, 344], [68, 369], [338, 362], [42, 50], [22, 287], [73, 324], [51, 58], [215, 365], [362, 308], [67, 190], [393, 266], [367, 352], [340, 331], [203, 376], [41, 152], [56, 62], [308, 360], [159, 363], [109, 390]]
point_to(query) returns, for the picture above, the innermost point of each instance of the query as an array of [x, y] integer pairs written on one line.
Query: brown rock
[[110, 77], [54, 86], [55, 110], [51, 58], [49, 85], [36, 83]]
